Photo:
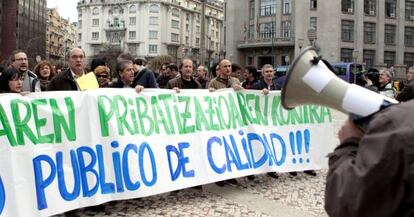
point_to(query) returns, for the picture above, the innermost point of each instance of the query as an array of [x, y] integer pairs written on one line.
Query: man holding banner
[[66, 80]]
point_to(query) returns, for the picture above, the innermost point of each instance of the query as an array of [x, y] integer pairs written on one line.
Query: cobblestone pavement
[[288, 196]]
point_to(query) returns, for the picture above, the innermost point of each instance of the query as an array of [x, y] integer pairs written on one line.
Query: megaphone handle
[[361, 122]]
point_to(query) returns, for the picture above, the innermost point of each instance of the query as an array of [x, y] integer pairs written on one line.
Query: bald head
[[225, 68]]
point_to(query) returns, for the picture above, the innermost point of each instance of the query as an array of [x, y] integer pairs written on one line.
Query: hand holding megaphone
[[311, 80]]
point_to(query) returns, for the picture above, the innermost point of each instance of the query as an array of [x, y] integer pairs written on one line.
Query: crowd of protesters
[[132, 72]]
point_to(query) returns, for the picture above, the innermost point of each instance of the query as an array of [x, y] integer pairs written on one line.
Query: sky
[[66, 8]]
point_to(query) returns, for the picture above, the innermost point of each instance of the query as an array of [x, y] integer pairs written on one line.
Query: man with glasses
[[407, 92], [66, 80], [20, 62]]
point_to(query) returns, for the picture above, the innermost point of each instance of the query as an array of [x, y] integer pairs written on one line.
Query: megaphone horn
[[310, 80]]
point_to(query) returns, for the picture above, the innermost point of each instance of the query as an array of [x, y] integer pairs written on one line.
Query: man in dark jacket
[[186, 80], [66, 80], [125, 73], [371, 173], [267, 82], [407, 92], [143, 76]]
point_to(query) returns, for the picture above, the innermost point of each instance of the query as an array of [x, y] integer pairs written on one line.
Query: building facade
[[23, 27], [60, 37], [151, 28], [378, 33]]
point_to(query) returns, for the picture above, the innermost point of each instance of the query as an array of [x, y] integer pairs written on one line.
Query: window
[[153, 20], [347, 31], [172, 50], [267, 7], [390, 8], [285, 29], [116, 22], [409, 59], [369, 33], [370, 7], [153, 34], [132, 21], [286, 7], [197, 41], [175, 24], [346, 55], [174, 37], [389, 58], [313, 23], [79, 37], [251, 31], [153, 48], [389, 37], [187, 42], [132, 9], [132, 34], [95, 11], [409, 36], [198, 29], [267, 30], [95, 35], [409, 10], [95, 22], [369, 58], [348, 6], [154, 8], [175, 12], [313, 4], [251, 9]]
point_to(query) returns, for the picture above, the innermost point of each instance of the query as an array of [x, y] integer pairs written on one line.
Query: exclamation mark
[[307, 144], [299, 143], [292, 146]]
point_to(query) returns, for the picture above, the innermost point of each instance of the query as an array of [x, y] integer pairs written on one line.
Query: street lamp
[[355, 57]]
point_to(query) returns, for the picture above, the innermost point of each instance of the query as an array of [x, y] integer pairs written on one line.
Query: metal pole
[[273, 54], [203, 32]]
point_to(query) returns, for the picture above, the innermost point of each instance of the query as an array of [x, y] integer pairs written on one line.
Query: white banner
[[65, 150]]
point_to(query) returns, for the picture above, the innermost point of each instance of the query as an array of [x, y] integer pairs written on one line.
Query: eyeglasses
[[101, 76], [21, 59]]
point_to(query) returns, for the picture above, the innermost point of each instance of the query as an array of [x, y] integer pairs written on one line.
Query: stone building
[[151, 28], [378, 33], [60, 37]]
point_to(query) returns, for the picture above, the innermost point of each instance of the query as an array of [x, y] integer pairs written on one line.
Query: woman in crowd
[[385, 84], [44, 71], [11, 81], [102, 74]]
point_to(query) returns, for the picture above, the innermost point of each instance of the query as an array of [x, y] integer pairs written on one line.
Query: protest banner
[[65, 150]]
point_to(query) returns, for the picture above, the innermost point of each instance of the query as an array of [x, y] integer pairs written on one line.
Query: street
[[287, 196]]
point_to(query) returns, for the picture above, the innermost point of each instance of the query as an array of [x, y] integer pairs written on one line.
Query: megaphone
[[311, 80]]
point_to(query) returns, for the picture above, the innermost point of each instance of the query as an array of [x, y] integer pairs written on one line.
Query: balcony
[[266, 42], [115, 27]]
